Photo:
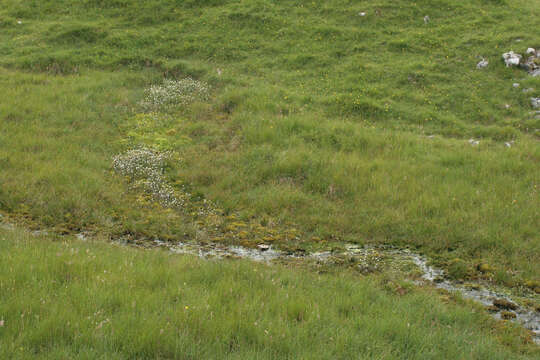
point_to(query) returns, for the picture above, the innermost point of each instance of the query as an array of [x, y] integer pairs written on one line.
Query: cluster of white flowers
[[140, 163], [174, 93], [145, 168]]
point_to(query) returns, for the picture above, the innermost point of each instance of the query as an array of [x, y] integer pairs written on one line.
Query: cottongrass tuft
[[145, 168], [174, 93]]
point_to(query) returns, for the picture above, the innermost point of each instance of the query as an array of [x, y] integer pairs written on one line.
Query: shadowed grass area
[[71, 299], [318, 120]]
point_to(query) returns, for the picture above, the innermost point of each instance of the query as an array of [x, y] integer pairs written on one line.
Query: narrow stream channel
[[501, 304]]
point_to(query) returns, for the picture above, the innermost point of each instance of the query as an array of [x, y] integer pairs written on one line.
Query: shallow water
[[527, 318]]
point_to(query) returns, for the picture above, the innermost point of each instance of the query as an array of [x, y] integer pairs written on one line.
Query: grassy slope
[[319, 118], [71, 299]]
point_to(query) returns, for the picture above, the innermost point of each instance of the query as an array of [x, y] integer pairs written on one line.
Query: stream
[[366, 259], [371, 258]]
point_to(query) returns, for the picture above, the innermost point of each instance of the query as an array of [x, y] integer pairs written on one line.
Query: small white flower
[[174, 93]]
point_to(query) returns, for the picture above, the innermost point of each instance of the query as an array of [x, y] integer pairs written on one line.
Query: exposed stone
[[482, 64], [511, 58], [263, 247], [516, 85], [531, 63], [535, 102]]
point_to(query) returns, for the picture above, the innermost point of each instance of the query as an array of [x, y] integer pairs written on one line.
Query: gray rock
[[263, 247], [511, 58], [482, 64], [516, 85], [535, 72], [426, 19], [535, 102]]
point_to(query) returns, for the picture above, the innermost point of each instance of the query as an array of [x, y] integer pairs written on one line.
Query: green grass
[[318, 121], [63, 298], [315, 133]]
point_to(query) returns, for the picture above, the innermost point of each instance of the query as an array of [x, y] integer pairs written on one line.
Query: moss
[[504, 304], [532, 284], [485, 268], [507, 315], [473, 286]]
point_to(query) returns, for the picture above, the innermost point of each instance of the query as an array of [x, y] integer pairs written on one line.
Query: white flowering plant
[[174, 93], [145, 168]]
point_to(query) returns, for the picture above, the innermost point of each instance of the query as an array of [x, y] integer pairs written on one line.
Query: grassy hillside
[[90, 300], [316, 128]]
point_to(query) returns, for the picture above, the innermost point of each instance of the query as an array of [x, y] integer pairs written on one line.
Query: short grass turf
[[64, 298], [319, 117]]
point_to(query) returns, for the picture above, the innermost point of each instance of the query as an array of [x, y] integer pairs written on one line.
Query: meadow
[[319, 126]]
